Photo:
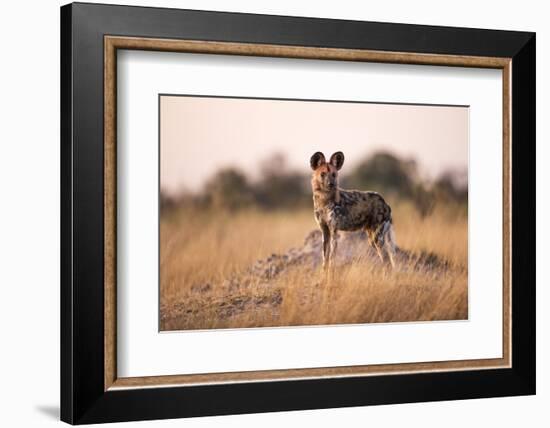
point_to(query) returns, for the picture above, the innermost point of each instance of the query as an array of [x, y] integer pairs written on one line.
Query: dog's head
[[325, 174]]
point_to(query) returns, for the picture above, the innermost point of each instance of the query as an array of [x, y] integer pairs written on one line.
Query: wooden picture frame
[[91, 391]]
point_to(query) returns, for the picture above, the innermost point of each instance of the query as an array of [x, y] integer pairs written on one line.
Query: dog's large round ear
[[317, 160], [337, 160]]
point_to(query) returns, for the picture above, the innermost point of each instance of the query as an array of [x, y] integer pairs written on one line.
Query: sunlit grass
[[201, 250]]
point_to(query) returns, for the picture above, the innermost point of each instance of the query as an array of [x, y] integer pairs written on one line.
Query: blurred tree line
[[278, 187]]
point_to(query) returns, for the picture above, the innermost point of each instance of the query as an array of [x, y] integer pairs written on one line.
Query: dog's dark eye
[[334, 174], [323, 175]]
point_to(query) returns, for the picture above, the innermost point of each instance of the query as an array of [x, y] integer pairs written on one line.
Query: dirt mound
[[353, 247], [257, 288]]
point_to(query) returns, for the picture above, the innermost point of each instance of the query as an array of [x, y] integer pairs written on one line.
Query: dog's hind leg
[[375, 243], [384, 243], [390, 253], [389, 242], [380, 251]]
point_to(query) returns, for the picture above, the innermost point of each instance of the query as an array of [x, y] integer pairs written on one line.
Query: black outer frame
[[83, 399]]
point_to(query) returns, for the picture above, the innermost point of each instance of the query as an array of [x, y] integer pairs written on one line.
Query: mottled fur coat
[[336, 210]]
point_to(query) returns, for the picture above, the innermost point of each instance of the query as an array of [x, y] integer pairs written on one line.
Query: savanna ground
[[258, 268]]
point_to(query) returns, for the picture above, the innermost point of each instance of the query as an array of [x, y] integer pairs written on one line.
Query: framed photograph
[[265, 213]]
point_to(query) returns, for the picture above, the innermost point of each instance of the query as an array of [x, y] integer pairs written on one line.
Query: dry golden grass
[[201, 251]]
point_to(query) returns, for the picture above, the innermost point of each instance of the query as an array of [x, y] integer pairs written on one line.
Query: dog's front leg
[[326, 245], [333, 246]]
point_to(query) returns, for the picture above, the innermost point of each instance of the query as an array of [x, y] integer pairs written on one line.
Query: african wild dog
[[348, 210]]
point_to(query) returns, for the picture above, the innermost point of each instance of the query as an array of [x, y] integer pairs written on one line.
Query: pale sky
[[201, 135]]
